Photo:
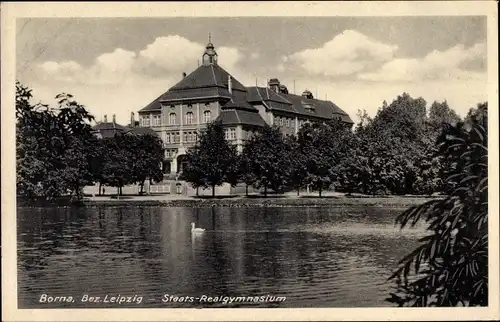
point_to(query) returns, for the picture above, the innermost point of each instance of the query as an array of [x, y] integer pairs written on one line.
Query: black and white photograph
[[197, 159]]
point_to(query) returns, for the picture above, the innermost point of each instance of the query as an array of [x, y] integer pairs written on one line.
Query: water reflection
[[316, 257]]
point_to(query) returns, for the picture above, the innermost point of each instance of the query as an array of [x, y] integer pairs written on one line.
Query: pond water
[[147, 256]]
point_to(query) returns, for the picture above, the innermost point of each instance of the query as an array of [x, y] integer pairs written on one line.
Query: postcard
[[250, 161]]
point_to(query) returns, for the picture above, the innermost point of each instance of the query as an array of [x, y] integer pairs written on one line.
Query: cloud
[[449, 64], [170, 54], [230, 57], [63, 71], [121, 81], [163, 58], [347, 53]]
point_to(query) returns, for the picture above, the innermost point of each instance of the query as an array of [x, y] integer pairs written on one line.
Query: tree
[[54, 146], [79, 144], [268, 159], [212, 160], [451, 264], [118, 161], [322, 146], [245, 173], [441, 113], [148, 154], [317, 146], [298, 169]]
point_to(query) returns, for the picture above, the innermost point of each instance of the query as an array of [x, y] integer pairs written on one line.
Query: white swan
[[196, 230]]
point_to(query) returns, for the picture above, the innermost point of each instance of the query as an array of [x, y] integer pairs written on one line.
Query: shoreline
[[237, 201]]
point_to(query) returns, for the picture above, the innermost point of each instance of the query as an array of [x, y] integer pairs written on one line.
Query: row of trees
[[395, 152], [58, 153]]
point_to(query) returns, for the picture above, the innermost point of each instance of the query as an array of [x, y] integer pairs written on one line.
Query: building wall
[[267, 116], [286, 123]]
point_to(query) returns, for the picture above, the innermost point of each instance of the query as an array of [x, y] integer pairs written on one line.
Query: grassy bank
[[238, 201]]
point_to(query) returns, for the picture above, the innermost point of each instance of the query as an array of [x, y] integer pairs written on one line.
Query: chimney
[[105, 118], [132, 119], [183, 75], [274, 84], [229, 84], [114, 118]]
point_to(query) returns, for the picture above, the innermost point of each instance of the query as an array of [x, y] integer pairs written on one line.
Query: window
[[156, 120], [184, 137], [232, 134], [167, 138], [191, 136], [226, 134], [176, 137], [207, 115], [170, 153], [189, 118], [287, 122], [281, 121], [145, 121], [171, 118]]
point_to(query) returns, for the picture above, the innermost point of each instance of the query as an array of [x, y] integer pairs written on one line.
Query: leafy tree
[[212, 160], [268, 159], [317, 146], [298, 172], [193, 171], [118, 161], [245, 173], [440, 114], [54, 146], [148, 154], [451, 264], [79, 144]]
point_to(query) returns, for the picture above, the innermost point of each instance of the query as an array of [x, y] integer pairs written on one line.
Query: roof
[[193, 93], [154, 105], [108, 129], [208, 76], [207, 81], [296, 104], [242, 105], [323, 109], [244, 117]]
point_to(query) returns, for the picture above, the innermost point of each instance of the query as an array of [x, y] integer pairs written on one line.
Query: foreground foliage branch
[[450, 267]]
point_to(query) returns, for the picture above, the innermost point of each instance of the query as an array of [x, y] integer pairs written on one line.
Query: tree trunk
[[142, 188], [298, 191], [197, 188], [246, 190], [213, 190], [100, 186], [319, 189], [77, 191], [265, 191]]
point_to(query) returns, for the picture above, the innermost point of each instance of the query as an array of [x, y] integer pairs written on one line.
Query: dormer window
[[309, 107]]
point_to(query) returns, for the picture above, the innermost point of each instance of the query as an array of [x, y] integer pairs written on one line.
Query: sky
[[119, 65]]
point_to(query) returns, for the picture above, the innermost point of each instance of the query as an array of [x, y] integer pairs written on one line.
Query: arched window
[[171, 118], [207, 115], [189, 118]]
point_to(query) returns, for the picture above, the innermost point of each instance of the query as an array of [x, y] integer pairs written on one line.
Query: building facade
[[210, 93]]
